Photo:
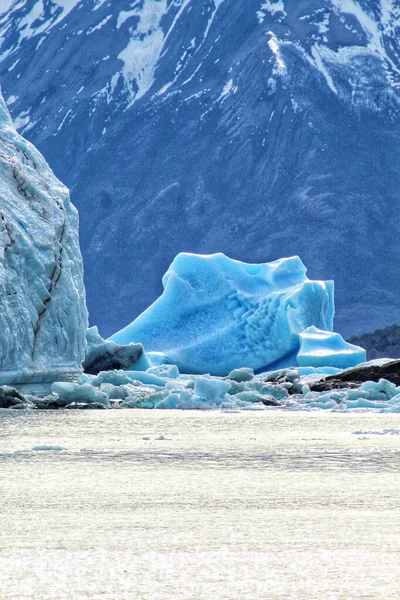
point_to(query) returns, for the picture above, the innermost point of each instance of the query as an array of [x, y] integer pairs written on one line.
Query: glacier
[[43, 315], [217, 314]]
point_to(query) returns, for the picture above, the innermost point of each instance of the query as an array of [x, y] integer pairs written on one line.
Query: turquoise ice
[[217, 314], [327, 349]]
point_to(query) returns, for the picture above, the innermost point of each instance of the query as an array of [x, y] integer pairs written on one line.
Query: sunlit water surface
[[228, 506]]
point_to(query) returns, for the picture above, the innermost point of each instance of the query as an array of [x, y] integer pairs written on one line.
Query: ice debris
[[43, 314], [285, 389], [217, 314], [327, 349], [47, 448]]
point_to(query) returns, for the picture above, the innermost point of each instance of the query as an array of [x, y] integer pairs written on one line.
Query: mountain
[[260, 129], [382, 343]]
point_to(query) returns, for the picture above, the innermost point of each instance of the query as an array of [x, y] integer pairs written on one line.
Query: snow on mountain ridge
[[139, 59]]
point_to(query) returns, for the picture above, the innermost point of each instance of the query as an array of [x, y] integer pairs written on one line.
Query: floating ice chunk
[[171, 401], [114, 377], [242, 374], [145, 377], [168, 371], [217, 314], [190, 400], [105, 355], [78, 393], [324, 348], [210, 389], [381, 390], [364, 403], [378, 432], [256, 397], [101, 398], [45, 447], [279, 392], [75, 392], [226, 405]]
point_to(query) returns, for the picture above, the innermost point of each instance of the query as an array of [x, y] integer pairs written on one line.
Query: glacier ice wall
[[217, 314], [43, 314]]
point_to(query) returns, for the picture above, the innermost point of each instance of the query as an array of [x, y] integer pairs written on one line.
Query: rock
[[49, 405], [86, 406], [10, 397], [352, 378]]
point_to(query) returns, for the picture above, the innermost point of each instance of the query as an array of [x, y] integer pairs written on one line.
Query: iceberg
[[105, 355], [327, 349], [43, 316], [217, 314]]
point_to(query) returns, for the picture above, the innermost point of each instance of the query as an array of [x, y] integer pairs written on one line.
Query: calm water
[[231, 506]]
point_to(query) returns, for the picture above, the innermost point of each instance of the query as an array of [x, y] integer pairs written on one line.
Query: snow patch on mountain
[[32, 23], [141, 55], [6, 5], [271, 7], [371, 27]]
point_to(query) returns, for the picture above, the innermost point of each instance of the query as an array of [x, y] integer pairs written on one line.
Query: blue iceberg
[[327, 349], [217, 314]]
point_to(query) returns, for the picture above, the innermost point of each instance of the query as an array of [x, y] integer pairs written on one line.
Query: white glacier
[[43, 314], [217, 314]]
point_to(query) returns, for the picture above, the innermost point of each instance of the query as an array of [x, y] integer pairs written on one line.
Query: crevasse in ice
[[217, 314], [43, 316]]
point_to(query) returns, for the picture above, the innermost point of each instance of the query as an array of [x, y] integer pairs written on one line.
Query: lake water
[[232, 506]]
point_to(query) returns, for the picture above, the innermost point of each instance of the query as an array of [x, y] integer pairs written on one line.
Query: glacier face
[[260, 129], [43, 314], [217, 314]]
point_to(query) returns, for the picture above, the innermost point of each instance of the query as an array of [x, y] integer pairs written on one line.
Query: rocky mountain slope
[[260, 129]]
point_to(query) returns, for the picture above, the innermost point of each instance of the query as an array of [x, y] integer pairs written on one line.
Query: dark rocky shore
[[354, 377]]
